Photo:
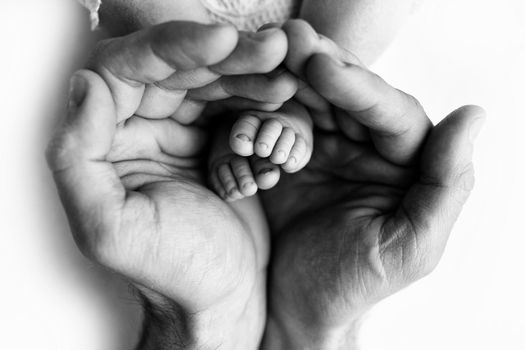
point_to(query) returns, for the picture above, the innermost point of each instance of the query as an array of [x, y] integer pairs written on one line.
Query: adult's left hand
[[372, 211]]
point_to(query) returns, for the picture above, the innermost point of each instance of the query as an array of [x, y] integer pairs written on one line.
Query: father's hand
[[372, 211], [130, 177]]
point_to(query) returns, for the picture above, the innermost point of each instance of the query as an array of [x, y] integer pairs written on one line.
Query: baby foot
[[283, 137], [234, 177]]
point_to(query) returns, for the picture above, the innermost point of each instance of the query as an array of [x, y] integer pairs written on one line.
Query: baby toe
[[298, 155], [244, 176], [267, 174], [243, 134], [283, 146], [228, 182], [217, 185], [267, 137]]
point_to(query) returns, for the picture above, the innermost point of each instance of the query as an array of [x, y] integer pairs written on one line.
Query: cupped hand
[[128, 162], [371, 212]]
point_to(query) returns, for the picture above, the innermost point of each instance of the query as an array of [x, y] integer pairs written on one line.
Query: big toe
[[243, 135], [266, 173]]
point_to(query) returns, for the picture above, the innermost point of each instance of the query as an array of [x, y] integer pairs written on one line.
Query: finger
[[230, 106], [431, 206], [159, 140], [159, 103], [304, 41], [189, 111], [263, 88], [259, 52], [320, 109], [153, 54], [352, 129], [89, 187], [254, 53], [189, 79], [397, 122]]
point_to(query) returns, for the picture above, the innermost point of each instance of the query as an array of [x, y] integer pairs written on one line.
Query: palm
[[328, 220], [183, 241]]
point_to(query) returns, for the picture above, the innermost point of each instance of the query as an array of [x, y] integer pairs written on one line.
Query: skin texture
[[366, 217], [240, 166], [370, 213], [134, 191]]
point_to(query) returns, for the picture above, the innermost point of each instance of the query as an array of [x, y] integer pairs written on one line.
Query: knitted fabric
[[250, 14], [243, 14]]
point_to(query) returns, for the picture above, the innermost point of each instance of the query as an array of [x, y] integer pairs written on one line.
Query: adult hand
[[128, 168], [372, 211]]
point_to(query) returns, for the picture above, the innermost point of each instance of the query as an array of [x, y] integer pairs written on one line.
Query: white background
[[453, 52]]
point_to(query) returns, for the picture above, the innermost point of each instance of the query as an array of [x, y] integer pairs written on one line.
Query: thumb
[[433, 204], [90, 190]]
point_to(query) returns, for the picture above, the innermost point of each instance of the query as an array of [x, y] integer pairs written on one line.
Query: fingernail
[[268, 26], [243, 137], [475, 128], [267, 31], [77, 90]]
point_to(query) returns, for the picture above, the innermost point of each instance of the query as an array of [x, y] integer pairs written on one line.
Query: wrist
[[167, 325], [284, 333]]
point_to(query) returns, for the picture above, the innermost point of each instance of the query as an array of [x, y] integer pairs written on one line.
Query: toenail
[[248, 185], [243, 137], [292, 160], [282, 154], [263, 146], [265, 171]]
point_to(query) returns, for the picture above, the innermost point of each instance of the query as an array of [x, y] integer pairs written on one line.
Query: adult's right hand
[[128, 169]]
